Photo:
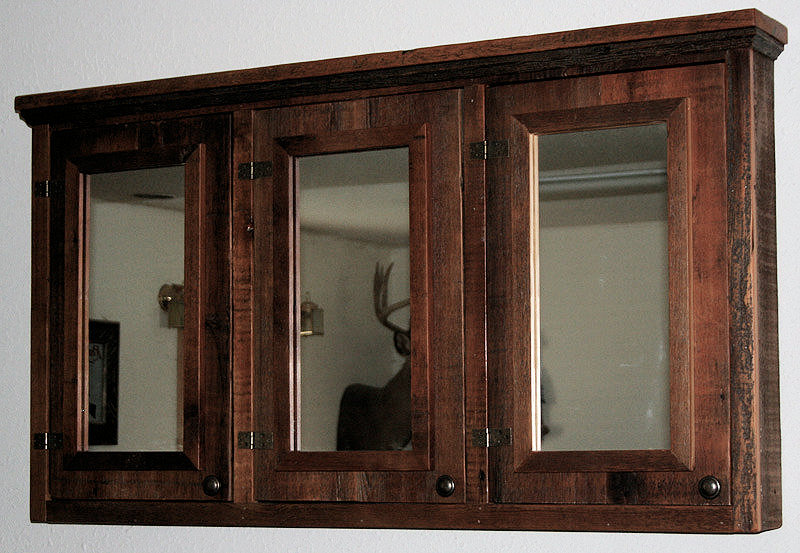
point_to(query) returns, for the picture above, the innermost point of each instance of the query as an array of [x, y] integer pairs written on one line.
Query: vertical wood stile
[[753, 293], [474, 207], [40, 327], [242, 304]]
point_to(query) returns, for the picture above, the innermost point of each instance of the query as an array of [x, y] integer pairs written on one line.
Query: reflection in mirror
[[353, 365], [603, 334], [135, 246]]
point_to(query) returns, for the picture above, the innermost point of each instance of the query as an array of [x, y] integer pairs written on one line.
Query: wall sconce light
[[311, 322], [170, 298]]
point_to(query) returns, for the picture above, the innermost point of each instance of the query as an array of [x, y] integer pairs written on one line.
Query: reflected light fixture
[[170, 299], [311, 319]]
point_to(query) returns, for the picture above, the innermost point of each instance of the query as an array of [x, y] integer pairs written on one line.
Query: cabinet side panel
[[767, 315], [40, 304], [753, 294]]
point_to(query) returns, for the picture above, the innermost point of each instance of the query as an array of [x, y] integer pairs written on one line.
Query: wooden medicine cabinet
[[525, 283]]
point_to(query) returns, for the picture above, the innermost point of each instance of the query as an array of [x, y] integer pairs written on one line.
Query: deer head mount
[[370, 418], [380, 293]]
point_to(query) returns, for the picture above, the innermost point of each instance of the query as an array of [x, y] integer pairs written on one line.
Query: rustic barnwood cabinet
[[486, 138]]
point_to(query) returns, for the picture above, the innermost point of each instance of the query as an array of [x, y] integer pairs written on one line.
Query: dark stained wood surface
[[242, 230], [473, 100], [597, 518], [679, 190], [40, 319], [755, 398], [193, 333], [768, 416]]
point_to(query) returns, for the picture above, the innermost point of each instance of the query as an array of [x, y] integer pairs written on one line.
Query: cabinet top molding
[[538, 56]]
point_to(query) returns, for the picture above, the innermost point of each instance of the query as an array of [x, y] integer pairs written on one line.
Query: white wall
[[48, 46]]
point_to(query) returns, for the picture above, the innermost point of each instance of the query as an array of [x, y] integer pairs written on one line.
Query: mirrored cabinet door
[[602, 280], [142, 277], [357, 278]]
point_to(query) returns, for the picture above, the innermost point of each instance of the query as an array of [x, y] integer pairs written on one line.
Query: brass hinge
[[491, 437], [48, 440], [254, 440], [488, 149], [45, 188], [255, 170]]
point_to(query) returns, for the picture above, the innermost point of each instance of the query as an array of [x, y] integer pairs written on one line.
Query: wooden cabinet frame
[[724, 403]]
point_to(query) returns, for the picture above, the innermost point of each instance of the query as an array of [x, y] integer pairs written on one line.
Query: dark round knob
[[709, 487], [445, 485], [211, 485]]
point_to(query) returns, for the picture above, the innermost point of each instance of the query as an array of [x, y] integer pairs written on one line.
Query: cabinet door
[[607, 285], [140, 394], [358, 295]]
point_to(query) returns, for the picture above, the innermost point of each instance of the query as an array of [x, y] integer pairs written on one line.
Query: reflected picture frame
[[103, 380]]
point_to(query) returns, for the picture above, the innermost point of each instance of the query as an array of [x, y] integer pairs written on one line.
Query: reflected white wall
[[605, 336], [134, 249]]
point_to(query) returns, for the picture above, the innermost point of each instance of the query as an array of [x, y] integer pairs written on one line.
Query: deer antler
[[380, 297]]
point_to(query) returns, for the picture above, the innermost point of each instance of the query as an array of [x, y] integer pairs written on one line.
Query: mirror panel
[[353, 364], [603, 289], [134, 355]]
